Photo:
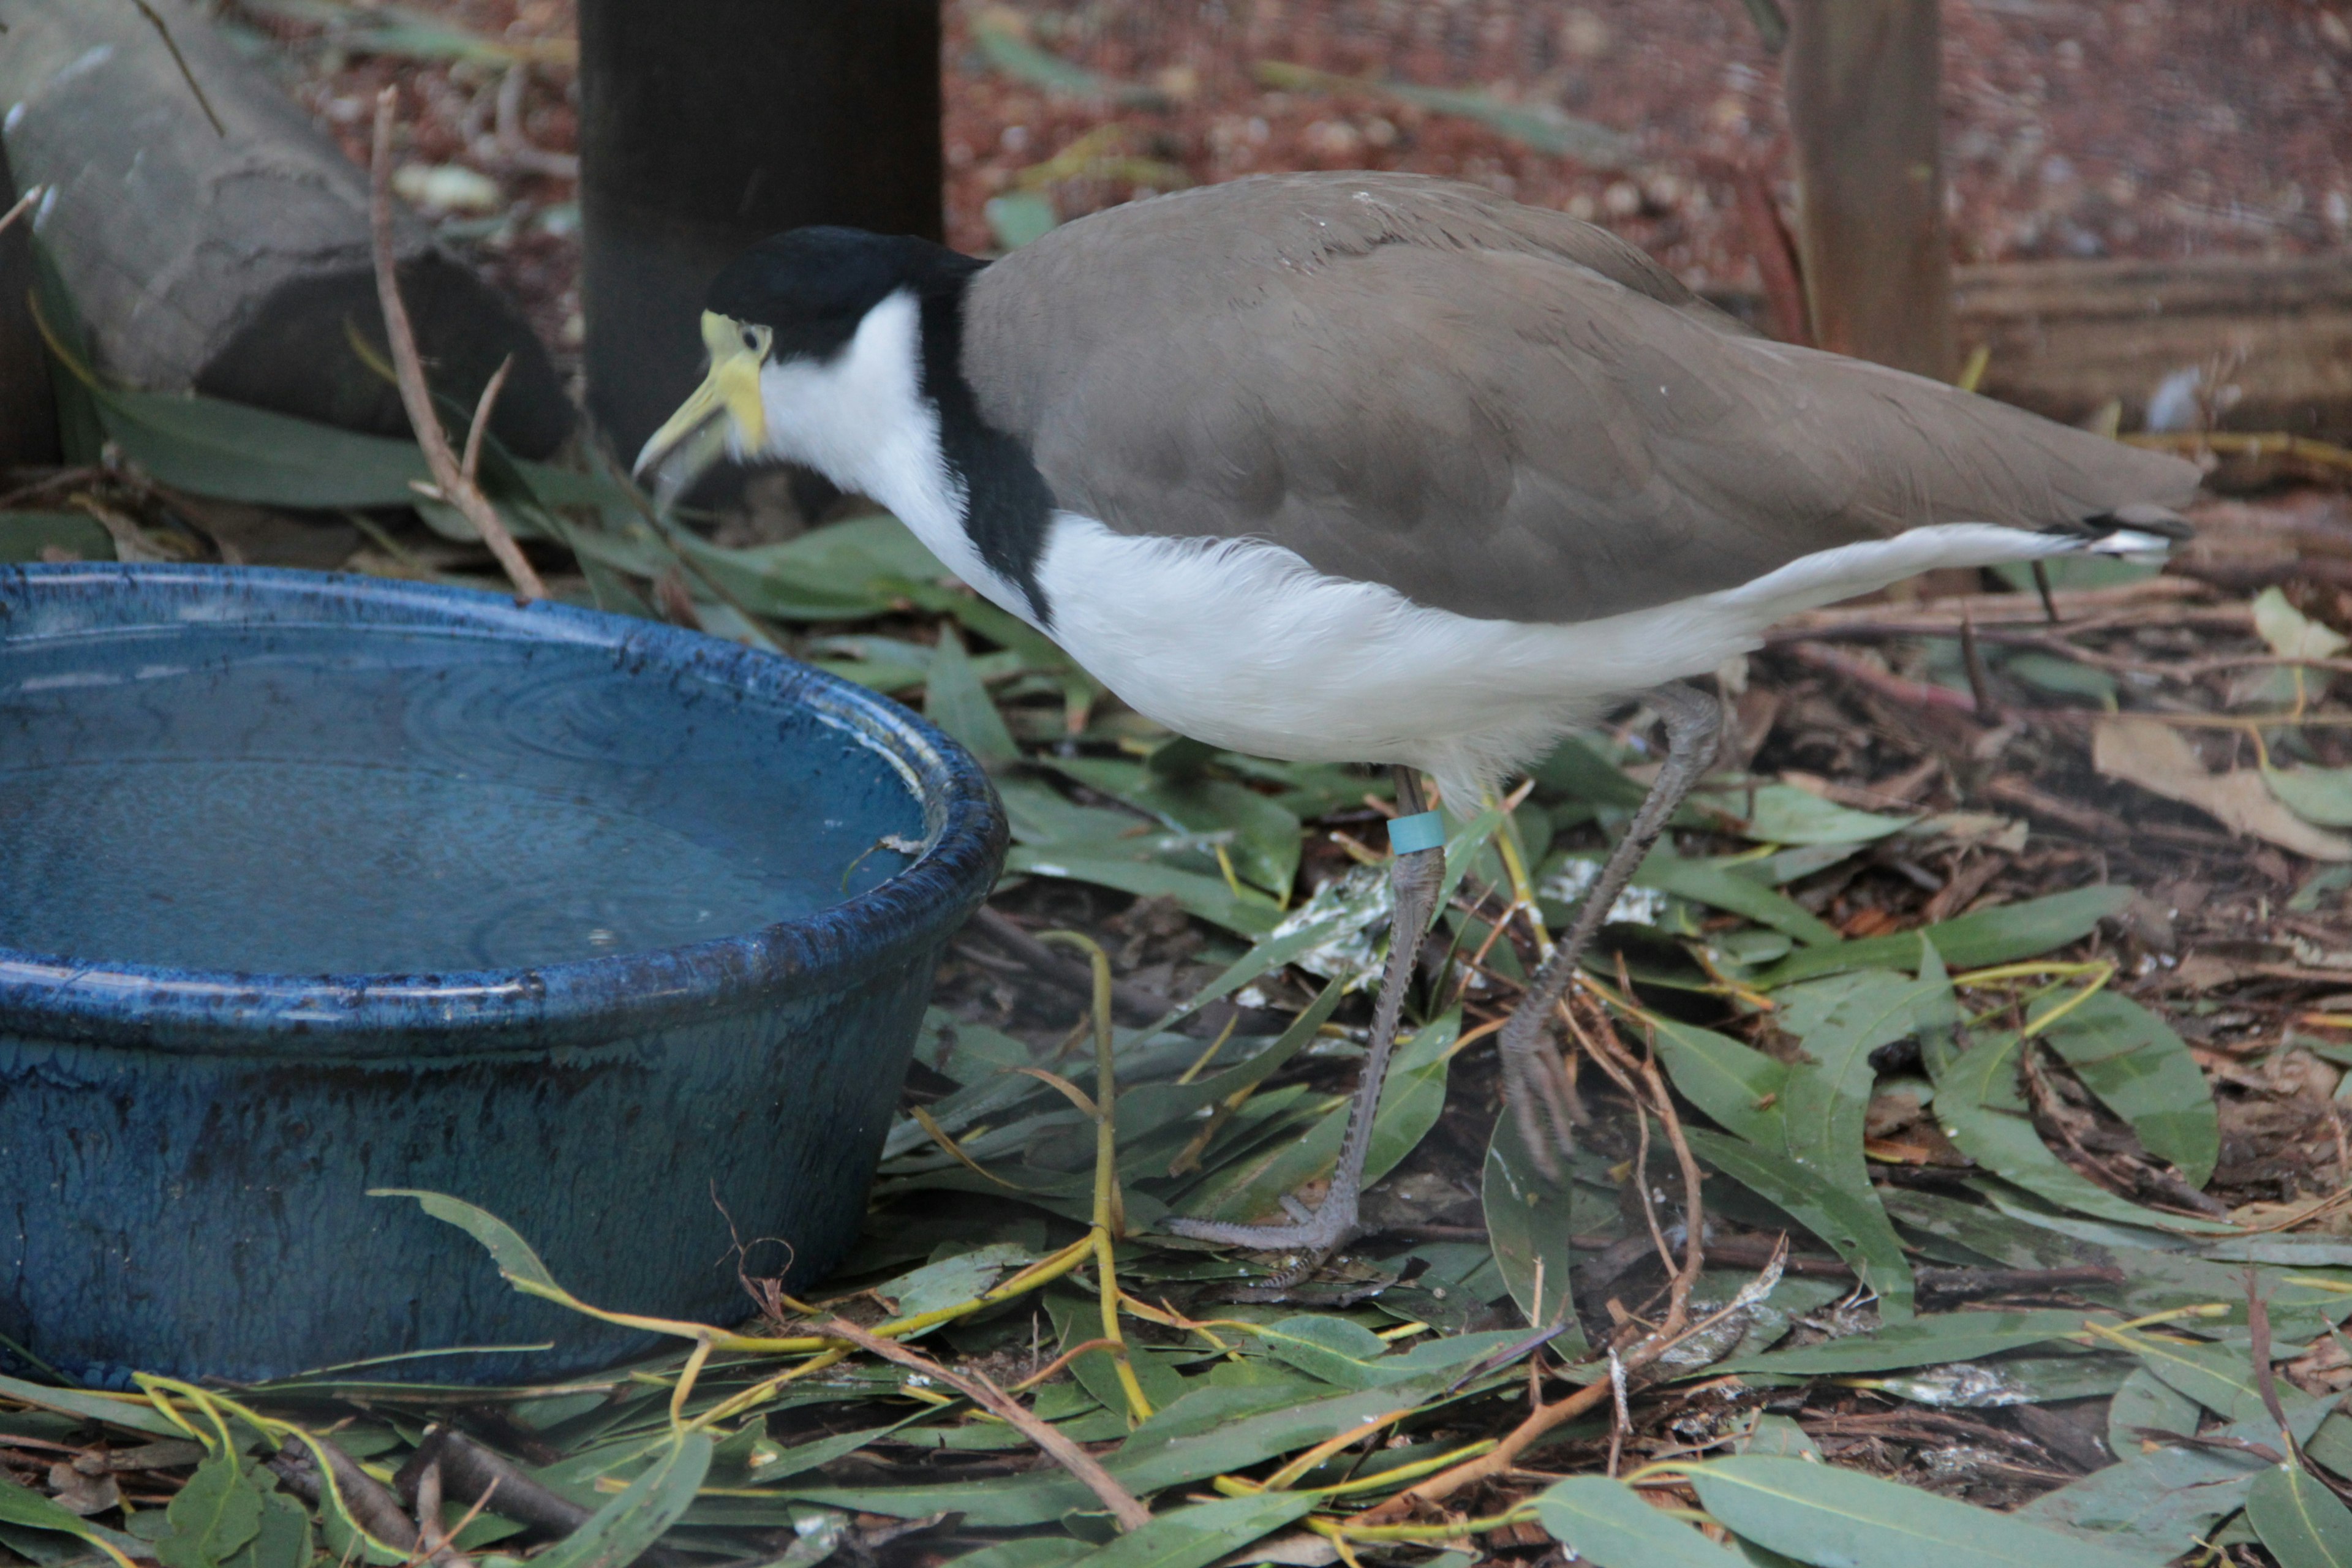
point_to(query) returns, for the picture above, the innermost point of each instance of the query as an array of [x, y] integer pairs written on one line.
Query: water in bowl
[[288, 800]]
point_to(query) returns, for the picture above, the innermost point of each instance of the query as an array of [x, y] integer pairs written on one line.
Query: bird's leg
[[1416, 876], [1532, 1070]]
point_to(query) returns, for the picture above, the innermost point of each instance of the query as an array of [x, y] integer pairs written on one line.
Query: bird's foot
[[1318, 1234], [1536, 1081]]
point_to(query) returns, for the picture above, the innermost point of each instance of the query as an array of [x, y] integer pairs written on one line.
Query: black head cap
[[813, 286]]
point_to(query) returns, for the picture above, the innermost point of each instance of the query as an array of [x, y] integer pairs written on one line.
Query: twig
[[370, 1504], [179, 61], [976, 1387], [456, 487], [472, 1472], [1910, 693], [470, 464], [24, 204]]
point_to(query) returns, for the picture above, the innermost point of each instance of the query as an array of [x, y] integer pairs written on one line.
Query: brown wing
[[1499, 411]]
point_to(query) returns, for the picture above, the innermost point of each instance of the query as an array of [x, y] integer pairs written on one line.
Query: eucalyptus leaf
[[2142, 1070], [1839, 1023], [1928, 1341], [618, 1534], [1530, 1229], [1739, 1087], [1783, 814], [2145, 1401], [1824, 1515], [1605, 1522], [1854, 1228], [1197, 1536], [2321, 797], [2001, 934], [1410, 1100], [24, 1507], [957, 702], [212, 1517], [2168, 1499], [2299, 1520], [1982, 1110], [1712, 883]]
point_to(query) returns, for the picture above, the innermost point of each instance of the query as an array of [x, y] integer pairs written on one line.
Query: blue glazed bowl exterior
[[185, 1157]]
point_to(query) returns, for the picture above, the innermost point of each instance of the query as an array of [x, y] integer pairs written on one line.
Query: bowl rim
[[586, 1001]]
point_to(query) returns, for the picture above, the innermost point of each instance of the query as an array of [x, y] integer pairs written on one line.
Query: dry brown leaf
[[2160, 759]]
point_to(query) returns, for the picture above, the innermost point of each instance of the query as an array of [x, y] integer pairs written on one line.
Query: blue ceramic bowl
[[312, 884]]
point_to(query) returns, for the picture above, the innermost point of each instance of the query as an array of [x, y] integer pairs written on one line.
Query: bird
[[1382, 469]]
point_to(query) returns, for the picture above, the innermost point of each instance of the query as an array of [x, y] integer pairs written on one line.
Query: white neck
[[862, 421]]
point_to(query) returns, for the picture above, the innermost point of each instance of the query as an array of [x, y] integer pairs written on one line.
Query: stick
[[180, 61], [470, 464], [456, 484], [976, 1387], [24, 204]]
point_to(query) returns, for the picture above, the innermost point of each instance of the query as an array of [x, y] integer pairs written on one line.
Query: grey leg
[[1532, 1070], [1416, 877]]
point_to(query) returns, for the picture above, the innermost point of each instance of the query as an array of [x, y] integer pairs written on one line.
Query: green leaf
[[2134, 1062], [1606, 1523], [2299, 1520], [1580, 770], [1713, 883], [952, 1281], [2001, 934], [1143, 1464], [1856, 1230], [1265, 838], [232, 452], [2166, 1501], [2147, 1401], [127, 1415], [1411, 1101], [1248, 914], [1783, 814], [1982, 1110], [1931, 1340], [1821, 1514], [509, 1251], [1528, 1226], [1196, 1536], [2321, 797], [29, 535], [618, 1534], [1329, 1348], [2216, 1377], [218, 1511], [1839, 1023], [26, 1507], [283, 1540], [1147, 1108], [957, 702], [1737, 1085]]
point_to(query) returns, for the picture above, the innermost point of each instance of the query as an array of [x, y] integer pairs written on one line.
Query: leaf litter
[[1953, 1143]]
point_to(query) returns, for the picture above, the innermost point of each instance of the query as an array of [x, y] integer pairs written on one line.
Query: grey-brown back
[[1499, 411]]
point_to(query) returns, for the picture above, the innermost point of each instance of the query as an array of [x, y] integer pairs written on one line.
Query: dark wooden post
[[709, 124], [1863, 80], [28, 410]]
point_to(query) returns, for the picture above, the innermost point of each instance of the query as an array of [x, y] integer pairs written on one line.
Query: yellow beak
[[728, 404]]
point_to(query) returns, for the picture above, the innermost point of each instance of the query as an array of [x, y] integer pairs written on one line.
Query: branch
[[976, 1387], [180, 61], [456, 484]]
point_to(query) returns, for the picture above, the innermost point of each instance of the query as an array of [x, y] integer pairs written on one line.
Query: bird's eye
[[750, 339]]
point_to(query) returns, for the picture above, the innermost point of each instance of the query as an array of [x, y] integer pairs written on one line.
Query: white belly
[[1242, 644]]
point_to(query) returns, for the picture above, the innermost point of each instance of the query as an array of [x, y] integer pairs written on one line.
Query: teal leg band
[[1424, 830]]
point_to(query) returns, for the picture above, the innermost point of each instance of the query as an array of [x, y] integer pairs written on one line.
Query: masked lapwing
[[1381, 468]]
